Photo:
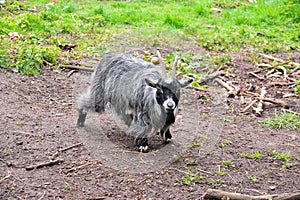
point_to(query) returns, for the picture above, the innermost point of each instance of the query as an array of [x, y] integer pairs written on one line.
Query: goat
[[138, 92]]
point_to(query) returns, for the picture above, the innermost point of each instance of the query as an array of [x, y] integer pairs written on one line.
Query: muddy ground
[[44, 156]]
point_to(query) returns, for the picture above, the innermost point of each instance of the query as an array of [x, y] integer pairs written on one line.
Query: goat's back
[[122, 78]]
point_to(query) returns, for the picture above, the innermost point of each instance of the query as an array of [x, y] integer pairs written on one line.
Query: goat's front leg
[[166, 134]]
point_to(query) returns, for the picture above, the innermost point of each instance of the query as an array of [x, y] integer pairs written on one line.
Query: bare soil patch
[[38, 127]]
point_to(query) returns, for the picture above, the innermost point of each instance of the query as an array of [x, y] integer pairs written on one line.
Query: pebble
[[273, 187]]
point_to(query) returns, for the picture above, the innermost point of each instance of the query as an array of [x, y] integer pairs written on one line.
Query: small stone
[[19, 142], [273, 187], [155, 60]]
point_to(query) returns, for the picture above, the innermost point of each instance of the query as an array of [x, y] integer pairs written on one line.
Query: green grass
[[284, 156], [252, 178], [284, 120], [264, 26], [227, 163], [224, 142], [254, 155]]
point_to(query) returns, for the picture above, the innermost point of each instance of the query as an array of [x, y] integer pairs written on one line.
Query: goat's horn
[[174, 67], [163, 67]]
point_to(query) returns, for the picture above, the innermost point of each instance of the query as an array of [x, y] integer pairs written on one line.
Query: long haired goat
[[138, 92]]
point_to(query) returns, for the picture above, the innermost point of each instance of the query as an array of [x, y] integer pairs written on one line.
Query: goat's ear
[[185, 83], [151, 83]]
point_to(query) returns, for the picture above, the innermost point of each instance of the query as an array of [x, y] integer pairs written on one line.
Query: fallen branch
[[279, 60], [184, 172], [209, 77], [77, 68], [97, 198], [231, 90], [219, 194], [270, 72], [284, 71], [46, 164], [71, 73], [259, 109], [191, 174], [248, 93], [279, 84], [72, 146], [79, 167], [65, 149], [275, 101], [264, 65], [4, 178], [249, 106], [293, 112], [257, 76], [276, 75]]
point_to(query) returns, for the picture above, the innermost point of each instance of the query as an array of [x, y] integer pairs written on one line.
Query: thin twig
[[72, 146], [77, 68], [79, 167], [255, 75], [279, 60], [224, 84], [249, 106], [273, 101], [203, 171], [209, 77], [232, 91], [184, 172], [45, 164], [4, 178], [219, 194], [293, 112], [259, 109], [284, 71], [279, 84]]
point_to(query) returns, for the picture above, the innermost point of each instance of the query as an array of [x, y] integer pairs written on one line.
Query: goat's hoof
[[143, 149], [167, 140], [79, 125]]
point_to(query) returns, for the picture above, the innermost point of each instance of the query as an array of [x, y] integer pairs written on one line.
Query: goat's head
[[168, 88]]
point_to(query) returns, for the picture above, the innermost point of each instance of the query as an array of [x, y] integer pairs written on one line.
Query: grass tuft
[[263, 26], [284, 120]]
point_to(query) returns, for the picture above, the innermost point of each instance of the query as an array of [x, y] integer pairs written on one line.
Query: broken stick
[[72, 146], [259, 109], [279, 60], [249, 106], [45, 164], [77, 68], [209, 77], [219, 195], [232, 91]]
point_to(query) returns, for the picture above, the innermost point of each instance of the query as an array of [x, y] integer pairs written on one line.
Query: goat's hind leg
[[142, 144], [81, 117], [140, 134]]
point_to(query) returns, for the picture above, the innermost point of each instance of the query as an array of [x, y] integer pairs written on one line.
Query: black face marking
[[163, 95]]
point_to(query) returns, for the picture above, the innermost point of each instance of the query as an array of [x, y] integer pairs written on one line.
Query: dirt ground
[[44, 156]]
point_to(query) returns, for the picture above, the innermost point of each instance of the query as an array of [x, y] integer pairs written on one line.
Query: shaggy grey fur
[[132, 88]]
